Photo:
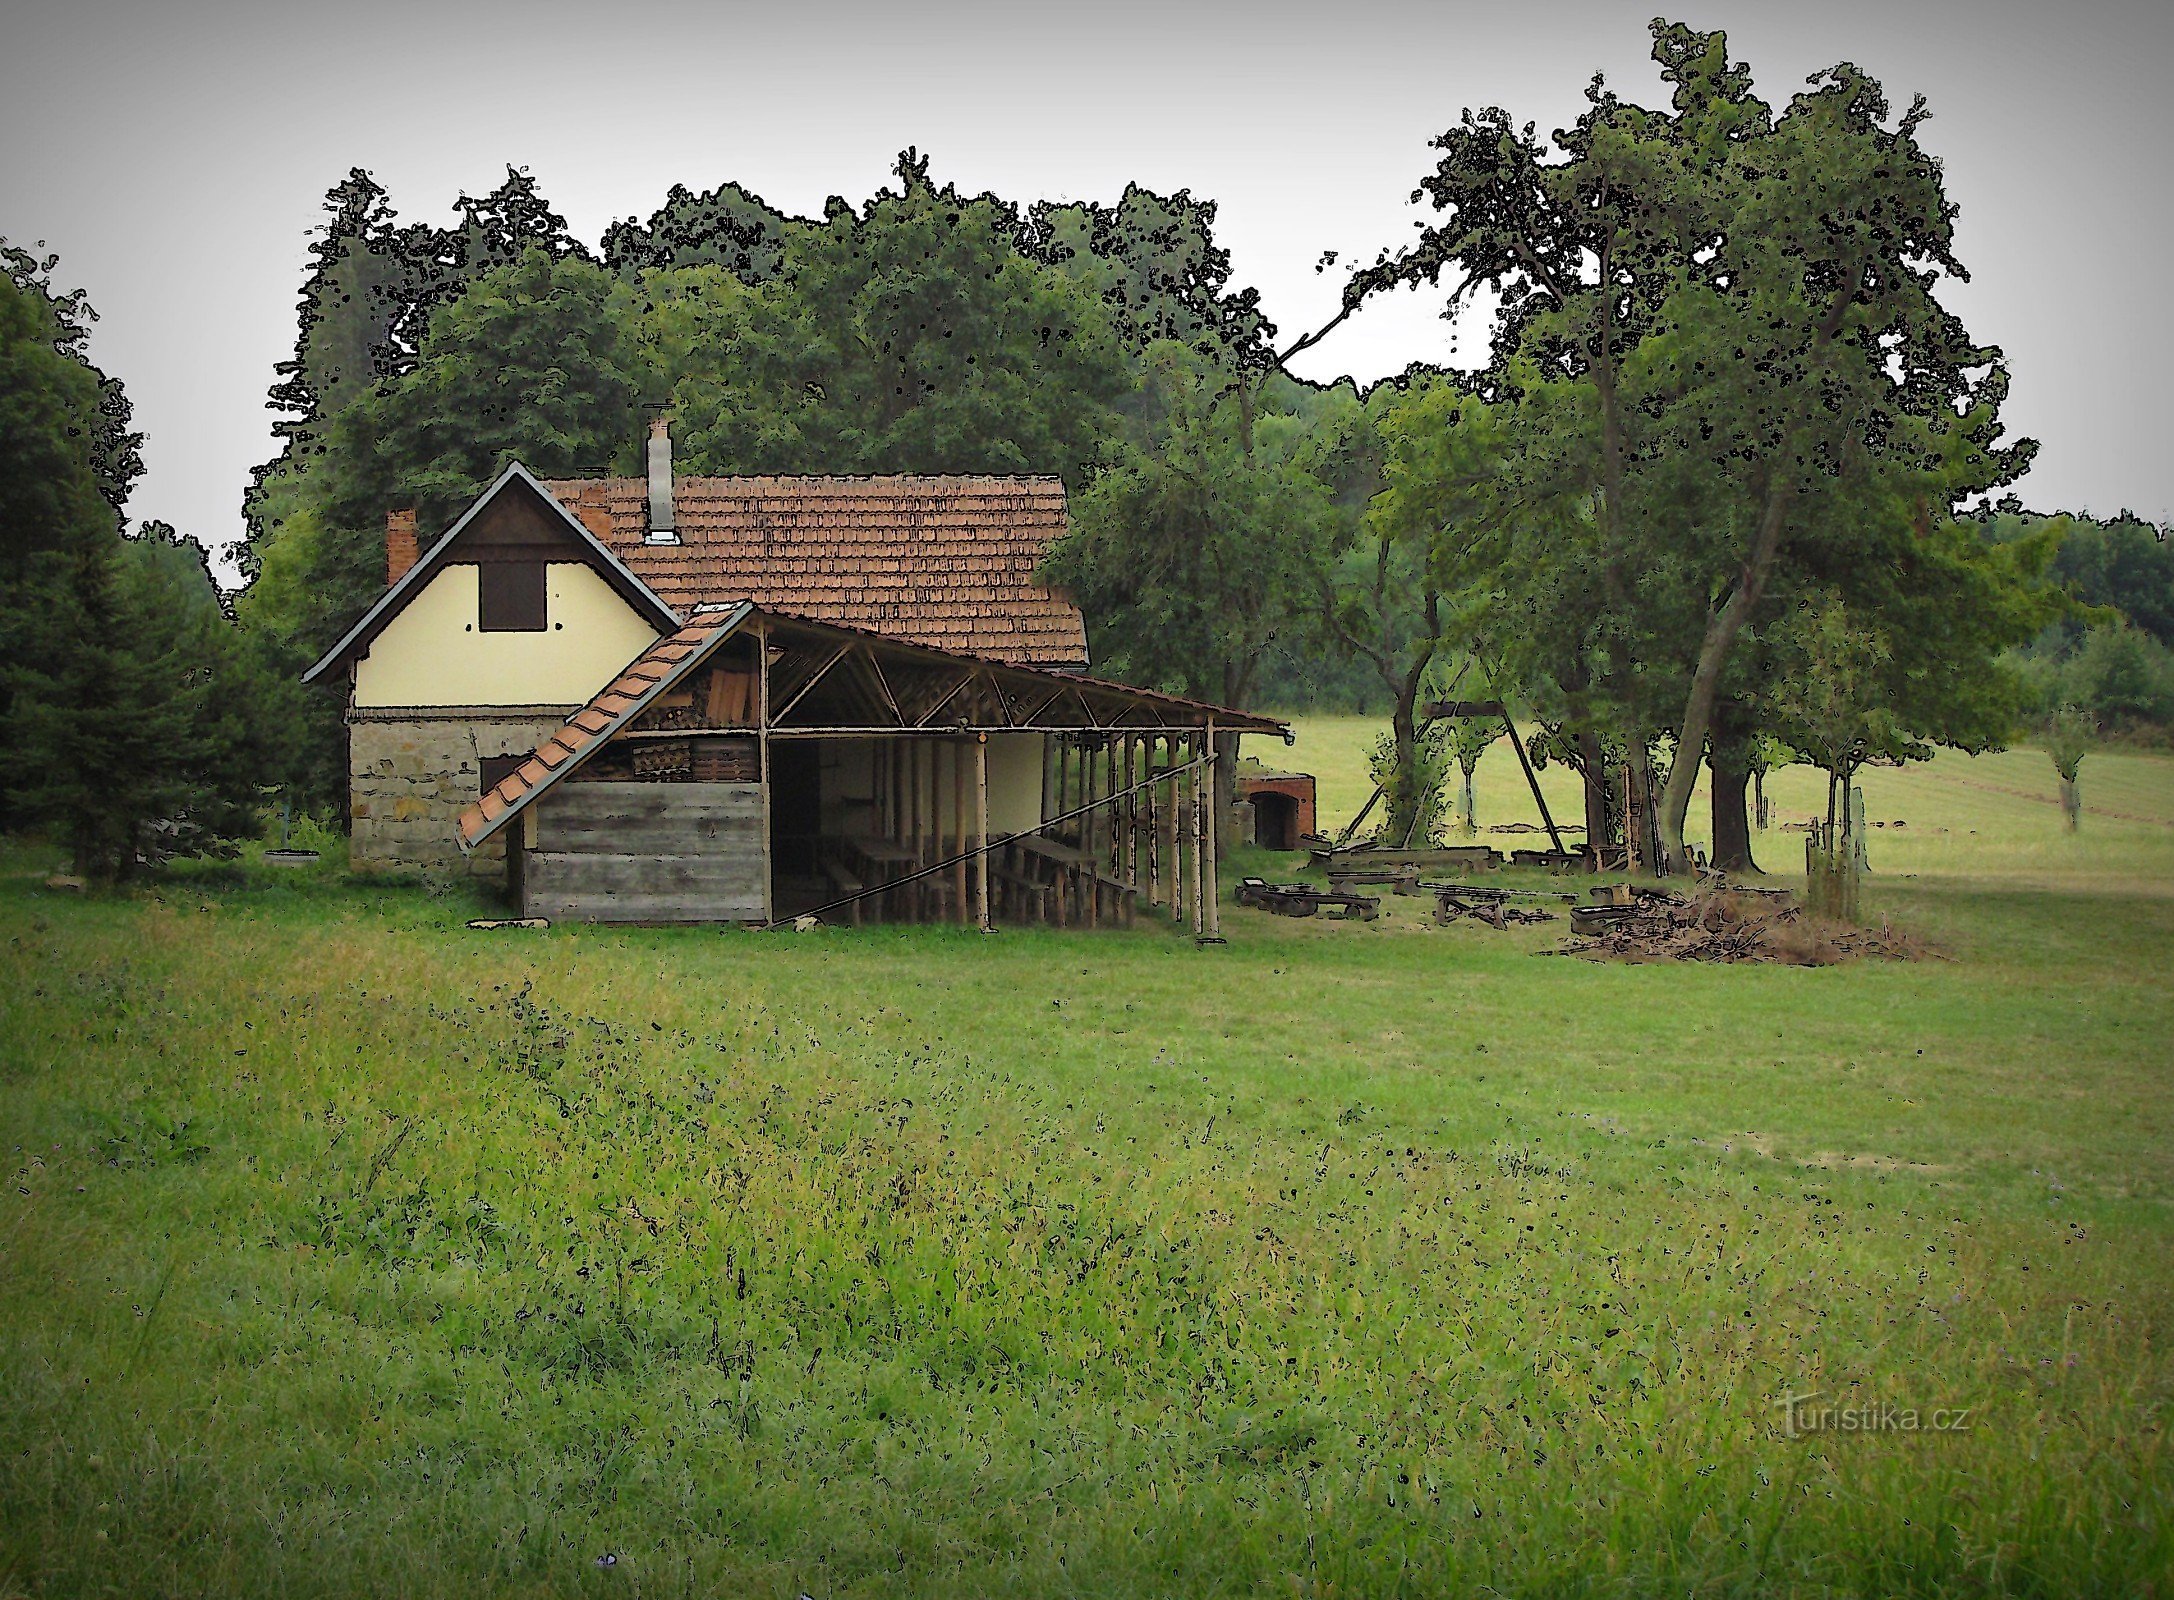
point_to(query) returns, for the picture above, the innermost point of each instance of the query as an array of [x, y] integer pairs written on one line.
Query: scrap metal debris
[[1304, 900], [1455, 901]]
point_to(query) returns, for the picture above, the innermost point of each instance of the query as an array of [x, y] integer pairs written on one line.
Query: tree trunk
[[1471, 813], [1404, 768], [1732, 821], [1599, 807], [1722, 629], [2071, 804], [1729, 760], [1641, 833]]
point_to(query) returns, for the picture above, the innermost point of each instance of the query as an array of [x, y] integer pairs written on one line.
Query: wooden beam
[[1198, 820], [949, 695], [882, 683], [1211, 905], [981, 830], [762, 765], [1532, 778], [801, 693], [958, 818], [1172, 863]]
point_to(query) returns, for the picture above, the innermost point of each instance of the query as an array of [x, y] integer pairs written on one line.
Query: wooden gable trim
[[453, 546]]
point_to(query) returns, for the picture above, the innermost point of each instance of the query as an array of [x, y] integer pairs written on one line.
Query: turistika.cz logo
[[1809, 1414]]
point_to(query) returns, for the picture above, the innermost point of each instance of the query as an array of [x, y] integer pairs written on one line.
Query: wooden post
[[879, 760], [1064, 779], [916, 811], [981, 829], [1193, 829], [1211, 903], [762, 765], [1173, 863], [958, 817], [1090, 831], [1128, 849]]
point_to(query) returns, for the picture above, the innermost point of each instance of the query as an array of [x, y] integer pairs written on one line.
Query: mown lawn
[[344, 1250]]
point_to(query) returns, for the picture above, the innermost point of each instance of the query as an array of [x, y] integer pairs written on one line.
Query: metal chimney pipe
[[661, 527]]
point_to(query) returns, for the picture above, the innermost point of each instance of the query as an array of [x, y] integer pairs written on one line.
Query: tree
[[916, 335], [1743, 306], [133, 717], [1391, 584], [1186, 555], [359, 292], [123, 705], [1469, 738], [67, 459], [2070, 734], [1834, 708], [2122, 676], [1412, 779], [1154, 262], [727, 227]]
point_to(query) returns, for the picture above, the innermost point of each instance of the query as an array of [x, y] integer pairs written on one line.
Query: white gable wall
[[434, 654]]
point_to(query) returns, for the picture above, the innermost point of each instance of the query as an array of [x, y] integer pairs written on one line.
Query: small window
[[512, 597], [496, 768]]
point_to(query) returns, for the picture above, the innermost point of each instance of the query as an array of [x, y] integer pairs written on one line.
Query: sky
[[176, 156]]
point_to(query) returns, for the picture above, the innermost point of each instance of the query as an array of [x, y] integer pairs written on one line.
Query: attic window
[[512, 597]]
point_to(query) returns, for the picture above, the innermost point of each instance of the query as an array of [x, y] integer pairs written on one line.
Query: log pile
[[1725, 923]]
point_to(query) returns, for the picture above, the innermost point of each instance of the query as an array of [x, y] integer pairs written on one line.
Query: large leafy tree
[[1188, 553], [1746, 304], [1154, 261], [725, 227], [917, 334]]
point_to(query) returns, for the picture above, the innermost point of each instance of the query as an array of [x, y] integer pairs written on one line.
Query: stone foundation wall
[[413, 770]]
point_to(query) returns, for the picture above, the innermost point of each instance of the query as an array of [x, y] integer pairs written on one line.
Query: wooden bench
[[843, 882]]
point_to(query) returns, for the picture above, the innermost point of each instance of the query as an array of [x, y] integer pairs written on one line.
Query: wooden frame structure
[[757, 766]]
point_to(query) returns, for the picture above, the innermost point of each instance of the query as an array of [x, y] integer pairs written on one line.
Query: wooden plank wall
[[647, 852]]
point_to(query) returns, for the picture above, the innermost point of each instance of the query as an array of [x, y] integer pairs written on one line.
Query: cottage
[[742, 699]]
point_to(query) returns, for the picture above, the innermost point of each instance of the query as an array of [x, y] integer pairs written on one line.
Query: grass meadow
[[343, 1250]]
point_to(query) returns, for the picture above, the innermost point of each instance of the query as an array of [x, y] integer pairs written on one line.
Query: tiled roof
[[941, 561], [614, 704]]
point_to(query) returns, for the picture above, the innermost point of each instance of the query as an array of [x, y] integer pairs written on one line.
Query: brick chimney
[[589, 505], [400, 545], [661, 528]]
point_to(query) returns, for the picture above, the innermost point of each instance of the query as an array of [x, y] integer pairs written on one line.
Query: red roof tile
[[942, 561]]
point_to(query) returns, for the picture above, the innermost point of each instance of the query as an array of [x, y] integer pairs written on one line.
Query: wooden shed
[[755, 765]]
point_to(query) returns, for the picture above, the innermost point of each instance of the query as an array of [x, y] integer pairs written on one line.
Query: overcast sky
[[176, 156]]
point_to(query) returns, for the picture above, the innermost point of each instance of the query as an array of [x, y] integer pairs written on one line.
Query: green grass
[[343, 1250]]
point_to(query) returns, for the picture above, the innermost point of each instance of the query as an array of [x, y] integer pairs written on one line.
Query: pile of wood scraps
[[1721, 923]]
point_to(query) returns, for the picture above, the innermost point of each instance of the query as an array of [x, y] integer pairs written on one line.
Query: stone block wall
[[413, 770]]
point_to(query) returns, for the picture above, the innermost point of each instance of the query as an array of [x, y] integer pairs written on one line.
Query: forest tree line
[[1728, 451]]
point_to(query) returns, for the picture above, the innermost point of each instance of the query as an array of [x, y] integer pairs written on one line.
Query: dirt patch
[[1840, 1160], [1730, 924]]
